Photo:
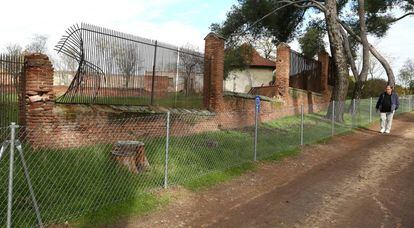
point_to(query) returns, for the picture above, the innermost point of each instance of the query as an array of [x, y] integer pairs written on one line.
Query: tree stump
[[131, 154]]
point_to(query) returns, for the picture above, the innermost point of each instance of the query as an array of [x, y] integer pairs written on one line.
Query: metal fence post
[[409, 103], [255, 132], [353, 113], [167, 144], [153, 72], [176, 76], [370, 110], [301, 124], [333, 118], [13, 127]]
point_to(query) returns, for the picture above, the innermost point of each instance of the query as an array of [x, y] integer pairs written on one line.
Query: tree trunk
[[186, 85], [338, 52], [349, 55], [362, 77], [127, 77], [385, 64]]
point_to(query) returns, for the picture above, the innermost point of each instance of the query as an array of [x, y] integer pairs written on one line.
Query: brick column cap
[[323, 52], [37, 60], [215, 35], [283, 45]]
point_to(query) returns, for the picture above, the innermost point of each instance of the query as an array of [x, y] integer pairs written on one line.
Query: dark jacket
[[395, 103]]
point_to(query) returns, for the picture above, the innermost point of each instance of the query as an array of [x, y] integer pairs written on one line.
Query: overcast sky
[[173, 21]]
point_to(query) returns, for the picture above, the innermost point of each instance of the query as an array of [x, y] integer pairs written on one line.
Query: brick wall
[[326, 90], [38, 89], [213, 72], [70, 126], [271, 110], [282, 69], [57, 125]]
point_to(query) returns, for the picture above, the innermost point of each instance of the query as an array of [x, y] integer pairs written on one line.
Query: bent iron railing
[[116, 68]]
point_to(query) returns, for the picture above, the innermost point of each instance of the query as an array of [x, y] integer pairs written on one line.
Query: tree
[[339, 55], [38, 44], [14, 50], [237, 58], [406, 75], [375, 70], [266, 47], [282, 19], [311, 42], [14, 53], [379, 18], [128, 61], [191, 62]]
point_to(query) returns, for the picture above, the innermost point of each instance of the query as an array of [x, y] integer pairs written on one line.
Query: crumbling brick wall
[[58, 125]]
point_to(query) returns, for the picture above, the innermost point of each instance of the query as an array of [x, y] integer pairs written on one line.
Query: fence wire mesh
[[76, 169]]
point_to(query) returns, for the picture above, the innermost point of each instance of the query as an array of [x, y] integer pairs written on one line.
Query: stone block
[[35, 98]]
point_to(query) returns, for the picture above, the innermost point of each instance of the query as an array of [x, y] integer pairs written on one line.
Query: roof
[[258, 61]]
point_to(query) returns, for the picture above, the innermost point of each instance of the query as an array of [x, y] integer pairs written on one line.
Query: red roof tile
[[258, 60]]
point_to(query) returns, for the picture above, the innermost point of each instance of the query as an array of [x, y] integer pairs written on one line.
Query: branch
[[288, 3], [318, 5], [381, 59], [349, 56], [403, 16]]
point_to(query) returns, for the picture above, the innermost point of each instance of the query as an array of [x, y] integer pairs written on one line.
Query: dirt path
[[359, 180]]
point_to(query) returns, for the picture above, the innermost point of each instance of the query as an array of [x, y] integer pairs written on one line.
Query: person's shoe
[[382, 130], [387, 131]]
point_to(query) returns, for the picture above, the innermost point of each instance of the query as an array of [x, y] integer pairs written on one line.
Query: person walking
[[387, 104]]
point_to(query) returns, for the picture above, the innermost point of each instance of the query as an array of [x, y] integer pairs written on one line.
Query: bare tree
[[66, 68], [406, 75], [191, 61], [105, 47], [38, 44], [375, 69], [66, 63], [266, 47], [14, 50], [128, 61]]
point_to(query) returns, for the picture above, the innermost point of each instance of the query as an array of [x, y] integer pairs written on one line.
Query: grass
[[87, 187], [284, 154], [9, 108], [217, 177], [172, 100], [139, 205], [73, 182]]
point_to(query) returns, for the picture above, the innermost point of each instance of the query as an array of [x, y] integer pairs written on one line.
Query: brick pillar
[[323, 57], [282, 69], [213, 72], [38, 90]]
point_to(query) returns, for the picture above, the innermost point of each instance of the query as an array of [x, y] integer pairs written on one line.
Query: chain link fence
[[87, 167]]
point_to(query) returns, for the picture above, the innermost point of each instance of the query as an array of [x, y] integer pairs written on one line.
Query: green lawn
[[173, 100], [9, 108], [83, 185]]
